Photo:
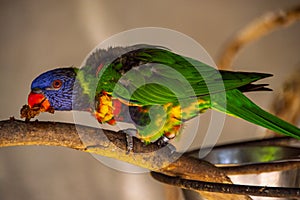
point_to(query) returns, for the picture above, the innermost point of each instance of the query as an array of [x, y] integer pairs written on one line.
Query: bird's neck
[[80, 100]]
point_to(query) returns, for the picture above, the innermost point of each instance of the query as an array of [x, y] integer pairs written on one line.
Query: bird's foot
[[130, 132], [164, 142], [129, 141]]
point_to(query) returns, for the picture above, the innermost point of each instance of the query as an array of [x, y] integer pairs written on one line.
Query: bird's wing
[[150, 76]]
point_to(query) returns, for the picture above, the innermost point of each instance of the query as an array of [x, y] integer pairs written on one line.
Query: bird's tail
[[239, 105]]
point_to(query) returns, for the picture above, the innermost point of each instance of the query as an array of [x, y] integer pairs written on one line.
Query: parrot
[[153, 88]]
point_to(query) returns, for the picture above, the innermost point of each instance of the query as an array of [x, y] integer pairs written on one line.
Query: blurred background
[[37, 36]]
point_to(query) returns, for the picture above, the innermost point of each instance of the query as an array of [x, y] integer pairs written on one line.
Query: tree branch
[[103, 142], [112, 144]]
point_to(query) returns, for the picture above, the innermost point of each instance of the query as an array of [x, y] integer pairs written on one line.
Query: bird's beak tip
[[38, 100]]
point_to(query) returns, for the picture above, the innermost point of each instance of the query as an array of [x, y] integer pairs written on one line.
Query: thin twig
[[261, 168], [257, 168], [284, 141], [256, 30], [227, 188]]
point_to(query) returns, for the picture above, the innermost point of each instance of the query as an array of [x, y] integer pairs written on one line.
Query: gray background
[[39, 35]]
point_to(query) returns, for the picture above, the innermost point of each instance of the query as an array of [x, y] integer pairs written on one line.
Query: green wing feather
[[240, 106]]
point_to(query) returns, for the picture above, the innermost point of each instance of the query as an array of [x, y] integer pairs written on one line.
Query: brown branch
[[227, 188], [255, 30], [112, 144]]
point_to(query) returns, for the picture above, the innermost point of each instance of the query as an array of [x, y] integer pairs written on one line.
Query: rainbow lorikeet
[[153, 88]]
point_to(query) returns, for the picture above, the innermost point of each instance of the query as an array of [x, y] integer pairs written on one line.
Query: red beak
[[38, 100]]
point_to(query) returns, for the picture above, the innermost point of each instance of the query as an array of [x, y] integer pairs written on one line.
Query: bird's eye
[[56, 84]]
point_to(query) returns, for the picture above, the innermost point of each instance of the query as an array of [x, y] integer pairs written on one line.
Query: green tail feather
[[240, 106]]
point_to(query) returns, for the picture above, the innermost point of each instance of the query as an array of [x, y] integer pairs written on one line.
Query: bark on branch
[[103, 142]]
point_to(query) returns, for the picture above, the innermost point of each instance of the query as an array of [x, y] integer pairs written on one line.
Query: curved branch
[[255, 30]]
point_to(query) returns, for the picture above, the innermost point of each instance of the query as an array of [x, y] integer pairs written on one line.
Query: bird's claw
[[163, 141], [129, 143], [129, 139]]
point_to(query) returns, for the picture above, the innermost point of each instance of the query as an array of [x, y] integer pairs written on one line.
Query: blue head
[[54, 86]]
